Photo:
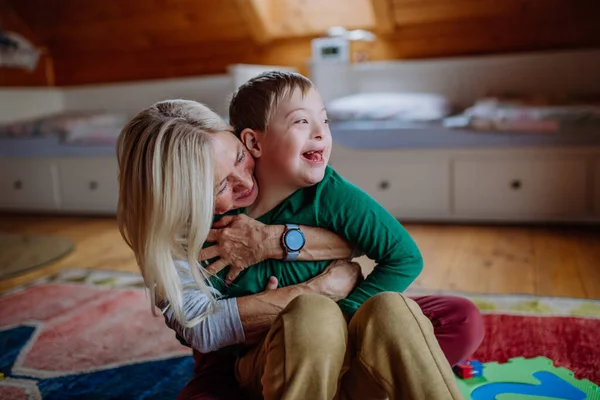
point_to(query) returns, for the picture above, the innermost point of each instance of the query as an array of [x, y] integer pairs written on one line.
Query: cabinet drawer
[[402, 188], [28, 184], [520, 187], [89, 184]]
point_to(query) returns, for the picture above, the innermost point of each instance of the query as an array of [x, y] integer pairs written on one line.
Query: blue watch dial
[[294, 240]]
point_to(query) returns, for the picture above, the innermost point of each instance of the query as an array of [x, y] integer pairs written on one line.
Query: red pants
[[457, 324]]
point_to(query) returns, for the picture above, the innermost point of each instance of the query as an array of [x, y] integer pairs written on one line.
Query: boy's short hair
[[253, 104]]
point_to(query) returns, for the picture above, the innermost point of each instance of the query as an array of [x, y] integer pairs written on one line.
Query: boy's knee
[[312, 321], [384, 310], [313, 303], [389, 303]]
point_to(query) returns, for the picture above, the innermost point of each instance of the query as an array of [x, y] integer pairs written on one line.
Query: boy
[[281, 119]]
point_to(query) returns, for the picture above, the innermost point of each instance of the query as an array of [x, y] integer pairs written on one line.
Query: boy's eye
[[222, 190], [326, 120], [302, 121]]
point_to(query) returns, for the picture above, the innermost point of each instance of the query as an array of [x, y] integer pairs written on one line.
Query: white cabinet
[[64, 185], [479, 185], [520, 187], [404, 188], [502, 185], [28, 184], [88, 184]]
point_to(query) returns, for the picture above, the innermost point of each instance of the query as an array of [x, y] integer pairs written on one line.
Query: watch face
[[294, 240]]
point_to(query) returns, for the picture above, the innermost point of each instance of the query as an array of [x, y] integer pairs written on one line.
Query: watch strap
[[289, 254]]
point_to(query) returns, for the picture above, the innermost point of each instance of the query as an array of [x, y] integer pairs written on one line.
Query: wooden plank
[[142, 32], [587, 254], [75, 13], [418, 12], [315, 17], [384, 16], [152, 64], [557, 269], [491, 36], [511, 262], [565, 260], [439, 246], [257, 14], [470, 269]]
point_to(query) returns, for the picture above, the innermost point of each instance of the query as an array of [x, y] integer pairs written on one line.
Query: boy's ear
[[250, 139]]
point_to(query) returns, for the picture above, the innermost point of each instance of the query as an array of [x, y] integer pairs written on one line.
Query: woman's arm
[[246, 319], [242, 241], [258, 312], [321, 244]]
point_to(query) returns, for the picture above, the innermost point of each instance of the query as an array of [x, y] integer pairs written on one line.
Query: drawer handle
[[18, 185], [516, 184], [93, 185], [383, 185]]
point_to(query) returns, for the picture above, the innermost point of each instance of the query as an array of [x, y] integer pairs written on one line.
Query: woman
[[166, 157]]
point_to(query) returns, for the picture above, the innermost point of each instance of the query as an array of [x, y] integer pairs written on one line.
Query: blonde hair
[[166, 187], [253, 104]]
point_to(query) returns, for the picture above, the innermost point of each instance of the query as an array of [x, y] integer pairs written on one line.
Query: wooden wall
[[95, 41]]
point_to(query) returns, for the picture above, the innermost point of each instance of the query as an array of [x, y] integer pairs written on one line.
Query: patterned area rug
[[90, 334], [567, 331]]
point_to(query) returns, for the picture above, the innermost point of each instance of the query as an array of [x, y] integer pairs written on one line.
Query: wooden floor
[[552, 261]]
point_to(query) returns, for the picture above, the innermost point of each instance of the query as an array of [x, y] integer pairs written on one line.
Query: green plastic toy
[[527, 379]]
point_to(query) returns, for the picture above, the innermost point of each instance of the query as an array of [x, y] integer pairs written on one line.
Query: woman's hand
[[241, 241], [258, 311], [338, 280]]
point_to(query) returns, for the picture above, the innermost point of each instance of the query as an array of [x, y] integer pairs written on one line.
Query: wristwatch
[[292, 241]]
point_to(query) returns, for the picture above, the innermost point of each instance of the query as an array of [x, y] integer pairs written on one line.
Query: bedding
[[76, 127], [364, 135], [389, 106], [528, 114]]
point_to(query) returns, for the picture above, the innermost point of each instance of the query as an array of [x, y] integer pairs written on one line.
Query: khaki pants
[[387, 351]]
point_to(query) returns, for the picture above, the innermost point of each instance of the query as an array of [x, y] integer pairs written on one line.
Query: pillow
[[71, 127], [385, 106]]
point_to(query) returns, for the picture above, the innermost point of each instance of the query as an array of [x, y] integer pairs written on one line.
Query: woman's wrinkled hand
[[239, 243], [338, 280]]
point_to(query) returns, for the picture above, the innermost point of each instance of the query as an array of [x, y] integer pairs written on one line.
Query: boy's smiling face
[[296, 147]]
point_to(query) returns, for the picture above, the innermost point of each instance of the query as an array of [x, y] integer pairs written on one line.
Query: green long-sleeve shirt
[[338, 206]]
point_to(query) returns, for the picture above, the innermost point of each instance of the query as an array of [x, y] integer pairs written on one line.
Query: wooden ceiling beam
[[384, 16], [257, 14]]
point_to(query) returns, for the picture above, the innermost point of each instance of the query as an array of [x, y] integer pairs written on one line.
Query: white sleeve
[[220, 329]]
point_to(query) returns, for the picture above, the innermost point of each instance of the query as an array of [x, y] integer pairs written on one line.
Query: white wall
[[465, 79], [462, 80], [18, 104], [213, 91]]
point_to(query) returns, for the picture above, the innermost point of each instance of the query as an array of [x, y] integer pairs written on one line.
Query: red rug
[[570, 342]]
